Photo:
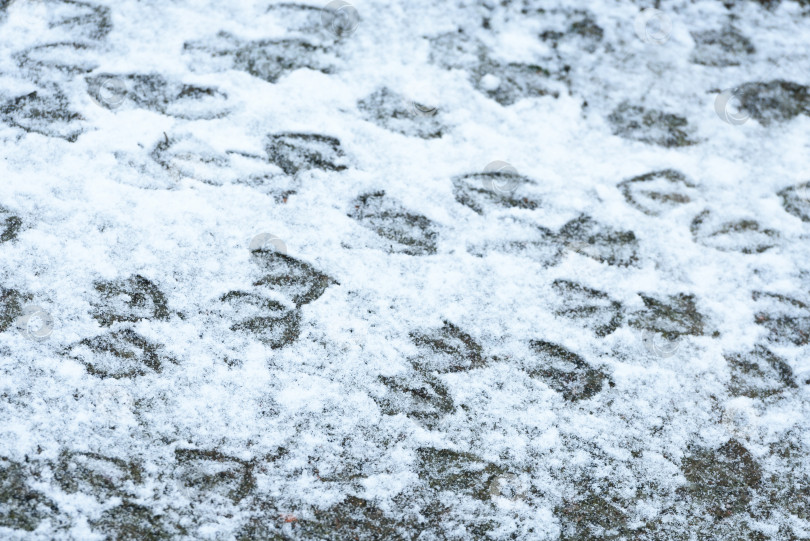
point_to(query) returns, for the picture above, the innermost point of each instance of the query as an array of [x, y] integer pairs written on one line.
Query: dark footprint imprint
[[671, 316], [80, 19], [796, 200], [268, 320], [419, 395], [595, 309], [184, 156], [759, 373], [297, 280], [209, 472], [723, 480], [721, 47], [657, 192], [774, 101], [294, 152], [129, 300], [12, 303], [786, 319], [461, 473], [515, 81], [592, 516], [10, 225], [483, 191], [394, 112], [45, 112], [588, 237], [352, 518], [650, 126], [411, 234], [101, 476], [745, 236], [581, 31], [268, 60], [448, 349], [153, 92], [62, 57], [503, 82], [120, 354], [130, 521], [21, 507], [565, 371]]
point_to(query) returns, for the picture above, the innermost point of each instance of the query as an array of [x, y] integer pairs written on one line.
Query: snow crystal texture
[[512, 269]]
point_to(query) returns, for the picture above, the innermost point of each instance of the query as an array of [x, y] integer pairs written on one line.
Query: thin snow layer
[[604, 336]]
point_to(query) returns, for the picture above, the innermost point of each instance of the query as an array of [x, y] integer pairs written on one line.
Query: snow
[[205, 154]]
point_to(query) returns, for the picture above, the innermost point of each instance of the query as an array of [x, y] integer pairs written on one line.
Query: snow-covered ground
[[404, 270]]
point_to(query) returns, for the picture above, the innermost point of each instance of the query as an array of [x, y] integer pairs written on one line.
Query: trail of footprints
[[724, 481], [721, 481]]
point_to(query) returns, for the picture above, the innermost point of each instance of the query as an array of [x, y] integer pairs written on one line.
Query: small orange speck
[[289, 518]]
